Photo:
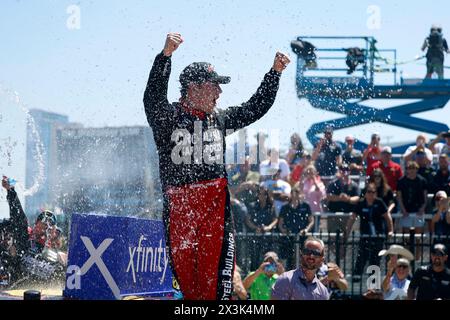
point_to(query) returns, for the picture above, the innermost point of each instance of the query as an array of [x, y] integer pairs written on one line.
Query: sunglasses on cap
[[314, 252]]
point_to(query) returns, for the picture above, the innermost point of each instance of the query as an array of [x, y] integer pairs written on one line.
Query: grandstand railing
[[342, 251]]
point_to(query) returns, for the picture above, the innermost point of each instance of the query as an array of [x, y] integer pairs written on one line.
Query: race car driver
[[190, 139]]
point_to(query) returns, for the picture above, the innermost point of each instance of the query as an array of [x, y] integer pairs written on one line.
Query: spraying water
[[7, 145]]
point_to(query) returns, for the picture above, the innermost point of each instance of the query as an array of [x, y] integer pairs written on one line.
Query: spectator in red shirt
[[373, 152], [392, 171]]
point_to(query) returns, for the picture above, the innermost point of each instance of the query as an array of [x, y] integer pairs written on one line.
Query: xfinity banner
[[111, 257]]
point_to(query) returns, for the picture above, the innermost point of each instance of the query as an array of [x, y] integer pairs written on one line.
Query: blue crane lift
[[323, 80]]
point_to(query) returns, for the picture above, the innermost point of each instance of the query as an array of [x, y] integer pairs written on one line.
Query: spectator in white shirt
[[410, 153], [267, 167], [279, 190]]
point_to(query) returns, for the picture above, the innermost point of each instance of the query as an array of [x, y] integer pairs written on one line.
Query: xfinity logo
[[147, 259]]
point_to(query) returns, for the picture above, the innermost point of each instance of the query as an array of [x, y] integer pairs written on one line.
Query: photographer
[[327, 154], [439, 147], [259, 283], [373, 151], [413, 152]]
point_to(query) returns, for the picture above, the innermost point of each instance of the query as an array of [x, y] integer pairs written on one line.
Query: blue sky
[[96, 74]]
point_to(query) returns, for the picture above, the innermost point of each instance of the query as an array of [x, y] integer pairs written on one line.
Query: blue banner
[[111, 257]]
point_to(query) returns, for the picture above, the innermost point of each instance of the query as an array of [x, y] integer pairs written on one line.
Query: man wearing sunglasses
[[396, 283], [432, 282], [375, 217], [302, 283], [342, 195], [412, 198]]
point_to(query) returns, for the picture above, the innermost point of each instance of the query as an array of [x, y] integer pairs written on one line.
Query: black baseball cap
[[439, 249], [201, 72]]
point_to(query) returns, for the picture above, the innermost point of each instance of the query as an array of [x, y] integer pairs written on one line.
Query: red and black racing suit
[[197, 217]]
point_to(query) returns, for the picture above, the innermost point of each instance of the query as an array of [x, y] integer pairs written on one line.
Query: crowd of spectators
[[295, 193]]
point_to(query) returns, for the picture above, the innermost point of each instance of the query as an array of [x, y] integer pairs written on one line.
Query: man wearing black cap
[[190, 138], [432, 282]]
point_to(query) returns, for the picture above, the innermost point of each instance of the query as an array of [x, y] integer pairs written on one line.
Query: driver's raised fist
[[173, 41]]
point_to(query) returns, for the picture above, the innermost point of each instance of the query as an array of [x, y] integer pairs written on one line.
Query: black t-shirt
[[428, 174], [388, 198], [295, 219], [261, 216], [441, 181], [412, 192], [336, 188], [372, 217], [436, 51], [431, 285], [326, 162], [354, 156]]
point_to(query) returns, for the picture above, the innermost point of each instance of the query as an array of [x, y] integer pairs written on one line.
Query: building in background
[[46, 124], [107, 170]]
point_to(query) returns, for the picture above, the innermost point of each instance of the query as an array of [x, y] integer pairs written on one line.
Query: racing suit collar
[[195, 112]]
